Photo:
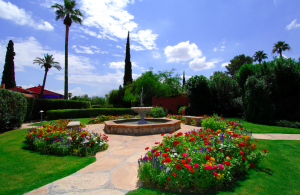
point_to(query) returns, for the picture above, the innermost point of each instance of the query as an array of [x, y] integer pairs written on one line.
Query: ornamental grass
[[199, 160], [54, 138]]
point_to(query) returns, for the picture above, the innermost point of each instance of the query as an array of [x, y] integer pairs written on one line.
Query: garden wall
[[171, 103]]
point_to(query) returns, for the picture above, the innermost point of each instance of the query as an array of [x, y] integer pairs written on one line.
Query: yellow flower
[[227, 158], [212, 159], [209, 164]]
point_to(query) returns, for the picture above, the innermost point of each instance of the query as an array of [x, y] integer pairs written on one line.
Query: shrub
[[13, 107], [185, 162], [157, 112], [213, 122], [55, 139], [285, 123], [180, 109]]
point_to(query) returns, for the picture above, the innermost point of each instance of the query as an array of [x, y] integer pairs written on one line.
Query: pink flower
[[206, 167], [189, 166], [188, 160], [87, 137], [206, 143], [210, 168], [70, 138], [196, 165], [184, 154], [215, 167], [221, 166], [215, 174]]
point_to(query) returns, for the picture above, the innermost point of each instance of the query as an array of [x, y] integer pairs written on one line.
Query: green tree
[[183, 79], [128, 71], [259, 56], [280, 46], [170, 86], [236, 63], [69, 95], [8, 77], [47, 62], [69, 15]]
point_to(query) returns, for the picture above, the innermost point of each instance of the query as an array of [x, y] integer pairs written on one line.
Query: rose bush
[[54, 138], [199, 160]]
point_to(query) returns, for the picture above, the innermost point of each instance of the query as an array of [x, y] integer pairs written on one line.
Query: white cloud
[[156, 54], [182, 52], [215, 49], [114, 22], [84, 49], [117, 65], [284, 56], [89, 32], [224, 64], [27, 86], [222, 48], [27, 50], [76, 92], [199, 64], [21, 17], [292, 25], [118, 46], [117, 55], [94, 47], [49, 3], [136, 48]]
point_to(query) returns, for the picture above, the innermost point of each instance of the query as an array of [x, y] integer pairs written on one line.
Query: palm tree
[[69, 15], [259, 56], [280, 46], [48, 63]]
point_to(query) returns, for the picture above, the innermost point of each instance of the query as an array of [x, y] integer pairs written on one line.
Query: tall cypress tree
[[128, 70], [8, 77], [183, 81]]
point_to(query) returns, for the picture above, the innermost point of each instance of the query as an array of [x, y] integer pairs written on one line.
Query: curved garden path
[[115, 171]]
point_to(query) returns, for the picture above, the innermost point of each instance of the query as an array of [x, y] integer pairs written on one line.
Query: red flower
[[47, 139], [242, 153], [162, 134], [156, 142], [234, 135], [169, 178], [227, 163], [265, 151], [171, 133], [166, 149], [207, 157], [251, 165], [54, 137], [168, 160], [174, 174], [243, 158], [192, 139], [178, 166], [191, 170], [241, 144], [175, 143], [154, 150], [182, 161], [146, 148], [165, 155], [157, 154]]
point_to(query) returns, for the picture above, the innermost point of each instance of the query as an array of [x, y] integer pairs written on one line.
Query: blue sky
[[195, 36]]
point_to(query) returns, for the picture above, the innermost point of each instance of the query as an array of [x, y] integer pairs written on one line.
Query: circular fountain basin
[[130, 126]]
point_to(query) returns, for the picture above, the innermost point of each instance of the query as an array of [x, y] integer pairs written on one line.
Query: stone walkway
[[115, 171]]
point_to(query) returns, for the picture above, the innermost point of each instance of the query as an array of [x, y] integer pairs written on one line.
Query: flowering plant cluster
[[199, 160], [54, 138], [101, 118]]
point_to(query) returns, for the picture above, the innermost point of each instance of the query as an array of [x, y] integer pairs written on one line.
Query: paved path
[[115, 171]]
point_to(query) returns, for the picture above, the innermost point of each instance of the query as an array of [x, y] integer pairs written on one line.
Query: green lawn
[[23, 170], [277, 174], [258, 128]]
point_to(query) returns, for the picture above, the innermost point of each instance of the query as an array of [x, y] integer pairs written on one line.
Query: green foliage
[[34, 106], [116, 98], [213, 123], [259, 56], [285, 123], [8, 77], [197, 88], [180, 109], [236, 63], [87, 113], [224, 92], [13, 107], [157, 112], [128, 70], [280, 46], [95, 100]]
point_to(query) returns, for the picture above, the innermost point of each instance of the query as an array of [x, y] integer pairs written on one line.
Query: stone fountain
[[142, 111]]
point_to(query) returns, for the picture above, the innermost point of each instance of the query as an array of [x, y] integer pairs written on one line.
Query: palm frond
[[76, 19]]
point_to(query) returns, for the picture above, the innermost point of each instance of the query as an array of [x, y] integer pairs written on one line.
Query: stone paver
[[115, 171]]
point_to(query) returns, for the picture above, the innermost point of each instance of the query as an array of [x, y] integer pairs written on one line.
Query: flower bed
[[101, 118], [54, 138], [199, 160]]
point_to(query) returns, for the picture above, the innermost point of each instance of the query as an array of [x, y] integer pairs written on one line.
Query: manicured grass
[[258, 128], [277, 174], [23, 170], [82, 120]]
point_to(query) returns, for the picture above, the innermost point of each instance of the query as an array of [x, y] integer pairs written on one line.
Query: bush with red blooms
[[199, 160]]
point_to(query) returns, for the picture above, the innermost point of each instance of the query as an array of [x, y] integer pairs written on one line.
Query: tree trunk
[[66, 63], [42, 91]]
